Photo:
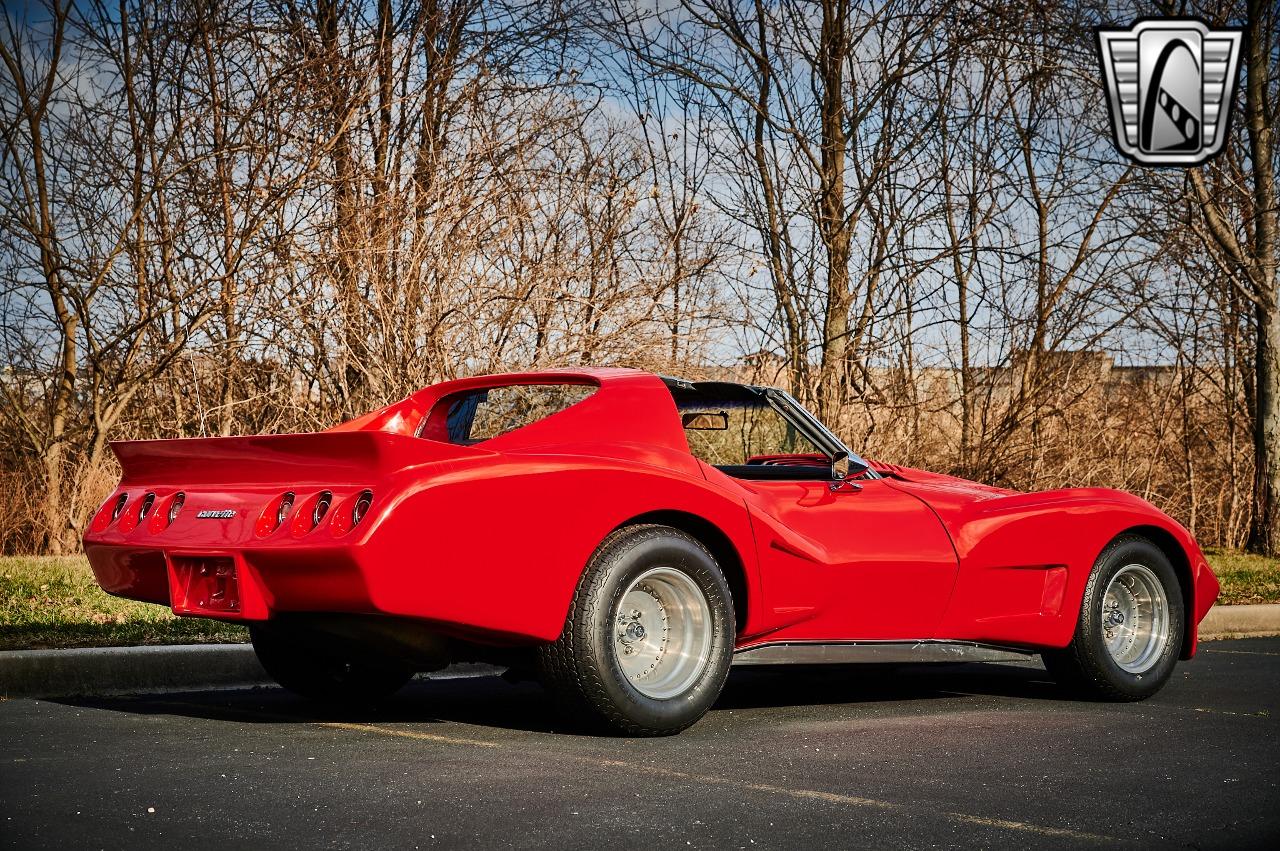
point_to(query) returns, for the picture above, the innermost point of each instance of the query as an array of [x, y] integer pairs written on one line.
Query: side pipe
[[894, 652]]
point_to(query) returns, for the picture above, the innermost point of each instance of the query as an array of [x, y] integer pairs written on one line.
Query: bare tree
[[257, 215], [1241, 224]]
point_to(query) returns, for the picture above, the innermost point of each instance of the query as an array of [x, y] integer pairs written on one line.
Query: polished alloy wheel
[[1135, 619], [662, 636]]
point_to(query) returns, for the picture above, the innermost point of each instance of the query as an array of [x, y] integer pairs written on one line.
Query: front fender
[[1024, 559]]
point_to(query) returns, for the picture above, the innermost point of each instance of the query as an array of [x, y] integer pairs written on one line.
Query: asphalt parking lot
[[917, 757]]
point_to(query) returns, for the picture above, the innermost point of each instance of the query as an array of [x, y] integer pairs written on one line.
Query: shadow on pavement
[[795, 685], [491, 701]]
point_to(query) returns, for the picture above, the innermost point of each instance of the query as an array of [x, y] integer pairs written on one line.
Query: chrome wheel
[[1135, 618], [662, 634]]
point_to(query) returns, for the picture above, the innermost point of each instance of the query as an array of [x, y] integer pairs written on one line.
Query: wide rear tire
[[648, 642], [1129, 634], [322, 674]]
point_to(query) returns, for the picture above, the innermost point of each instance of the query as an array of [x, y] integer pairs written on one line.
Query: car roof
[[729, 390], [632, 407]]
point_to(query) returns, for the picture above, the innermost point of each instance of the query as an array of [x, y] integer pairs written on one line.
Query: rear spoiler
[[260, 459]]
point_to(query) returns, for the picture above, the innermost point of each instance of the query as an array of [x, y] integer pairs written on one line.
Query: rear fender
[[502, 547]]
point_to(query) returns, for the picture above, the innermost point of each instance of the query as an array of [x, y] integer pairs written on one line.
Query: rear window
[[475, 416]]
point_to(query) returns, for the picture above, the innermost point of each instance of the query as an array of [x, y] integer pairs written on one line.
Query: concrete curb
[[1241, 621], [104, 671], [126, 670]]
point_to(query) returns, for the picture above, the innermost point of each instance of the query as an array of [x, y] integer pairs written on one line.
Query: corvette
[[626, 538]]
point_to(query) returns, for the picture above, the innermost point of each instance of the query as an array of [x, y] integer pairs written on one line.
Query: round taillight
[[118, 508], [286, 505], [361, 508], [322, 508], [175, 506], [145, 509]]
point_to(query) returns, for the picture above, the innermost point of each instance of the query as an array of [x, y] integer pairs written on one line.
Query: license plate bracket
[[213, 585]]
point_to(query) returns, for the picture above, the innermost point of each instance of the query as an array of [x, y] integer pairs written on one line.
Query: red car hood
[[941, 481]]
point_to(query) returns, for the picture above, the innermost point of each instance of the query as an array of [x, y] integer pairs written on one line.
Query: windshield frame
[[786, 407]]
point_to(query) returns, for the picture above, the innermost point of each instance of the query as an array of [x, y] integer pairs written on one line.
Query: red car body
[[486, 543]]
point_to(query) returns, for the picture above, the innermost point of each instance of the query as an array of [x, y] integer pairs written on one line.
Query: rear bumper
[[248, 585], [312, 579]]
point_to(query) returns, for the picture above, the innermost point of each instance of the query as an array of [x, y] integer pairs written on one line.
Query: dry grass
[[54, 602], [1245, 578]]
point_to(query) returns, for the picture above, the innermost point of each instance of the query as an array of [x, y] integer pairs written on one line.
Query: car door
[[864, 560]]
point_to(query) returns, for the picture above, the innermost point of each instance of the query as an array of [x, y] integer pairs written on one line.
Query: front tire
[[648, 642], [323, 675], [1131, 626]]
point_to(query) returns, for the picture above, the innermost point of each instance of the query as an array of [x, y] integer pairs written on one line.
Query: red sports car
[[627, 537]]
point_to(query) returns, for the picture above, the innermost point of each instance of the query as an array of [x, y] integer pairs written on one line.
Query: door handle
[[842, 485]]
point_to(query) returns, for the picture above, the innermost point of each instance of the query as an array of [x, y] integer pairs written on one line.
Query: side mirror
[[840, 466]]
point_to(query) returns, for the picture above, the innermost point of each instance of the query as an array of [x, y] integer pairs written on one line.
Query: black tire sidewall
[[1119, 555], [619, 568]]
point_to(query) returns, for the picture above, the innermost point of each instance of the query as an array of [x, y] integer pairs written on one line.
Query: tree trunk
[[1264, 534], [833, 219], [773, 229]]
